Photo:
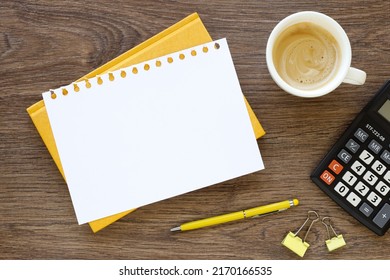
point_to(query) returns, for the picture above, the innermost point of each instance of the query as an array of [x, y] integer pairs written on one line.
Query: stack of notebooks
[[165, 118]]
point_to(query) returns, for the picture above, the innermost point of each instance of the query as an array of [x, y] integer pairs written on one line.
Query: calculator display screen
[[385, 110]]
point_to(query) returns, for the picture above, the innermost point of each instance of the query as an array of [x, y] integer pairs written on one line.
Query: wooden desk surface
[[44, 45]]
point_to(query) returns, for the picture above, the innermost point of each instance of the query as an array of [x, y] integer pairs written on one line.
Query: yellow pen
[[249, 213]]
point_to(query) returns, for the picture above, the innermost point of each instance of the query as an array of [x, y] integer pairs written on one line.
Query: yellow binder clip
[[335, 242], [296, 244]]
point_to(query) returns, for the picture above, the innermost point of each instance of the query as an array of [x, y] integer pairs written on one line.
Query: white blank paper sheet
[[153, 131]]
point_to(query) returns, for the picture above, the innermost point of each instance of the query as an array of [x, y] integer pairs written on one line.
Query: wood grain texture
[[45, 44]]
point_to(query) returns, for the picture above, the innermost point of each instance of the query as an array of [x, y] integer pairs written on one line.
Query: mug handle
[[355, 76]]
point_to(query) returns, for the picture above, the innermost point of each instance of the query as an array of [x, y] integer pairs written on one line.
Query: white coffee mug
[[344, 72]]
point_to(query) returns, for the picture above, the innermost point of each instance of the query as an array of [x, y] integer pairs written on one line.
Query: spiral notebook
[[203, 133], [186, 33]]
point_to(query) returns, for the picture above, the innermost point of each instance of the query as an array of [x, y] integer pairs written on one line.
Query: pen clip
[[270, 213]]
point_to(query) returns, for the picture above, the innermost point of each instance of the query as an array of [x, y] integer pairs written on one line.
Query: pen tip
[[175, 229], [296, 202]]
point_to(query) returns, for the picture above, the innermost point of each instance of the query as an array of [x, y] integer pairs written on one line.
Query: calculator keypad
[[341, 189], [344, 156], [366, 209], [358, 167], [353, 199], [359, 174], [374, 199], [382, 188], [352, 146], [361, 135], [383, 216], [374, 146], [349, 178], [362, 189], [387, 177], [336, 167], [370, 178], [366, 157], [379, 167], [386, 156]]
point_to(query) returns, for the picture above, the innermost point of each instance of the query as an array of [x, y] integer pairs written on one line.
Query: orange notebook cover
[[186, 33]]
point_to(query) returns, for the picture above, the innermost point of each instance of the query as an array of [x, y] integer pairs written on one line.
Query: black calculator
[[356, 171]]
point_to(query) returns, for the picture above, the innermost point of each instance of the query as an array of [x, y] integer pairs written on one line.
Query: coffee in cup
[[306, 55], [309, 55]]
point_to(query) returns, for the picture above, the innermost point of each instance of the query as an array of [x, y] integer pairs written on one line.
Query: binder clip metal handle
[[311, 215], [294, 242], [335, 242]]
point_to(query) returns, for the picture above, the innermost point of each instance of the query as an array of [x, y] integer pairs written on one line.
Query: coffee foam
[[306, 56]]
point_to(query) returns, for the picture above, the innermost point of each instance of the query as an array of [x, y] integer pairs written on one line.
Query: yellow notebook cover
[[186, 33]]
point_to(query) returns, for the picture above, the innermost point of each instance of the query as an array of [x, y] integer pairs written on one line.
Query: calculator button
[[383, 216], [335, 166], [387, 177], [374, 199], [358, 167], [327, 177], [353, 199], [349, 178], [386, 156], [361, 135], [341, 189], [362, 188], [378, 167], [366, 157], [366, 209], [344, 156], [370, 178], [352, 146], [375, 146], [382, 188]]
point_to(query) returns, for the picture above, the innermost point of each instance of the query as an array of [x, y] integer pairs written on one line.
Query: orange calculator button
[[335, 166], [327, 177]]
